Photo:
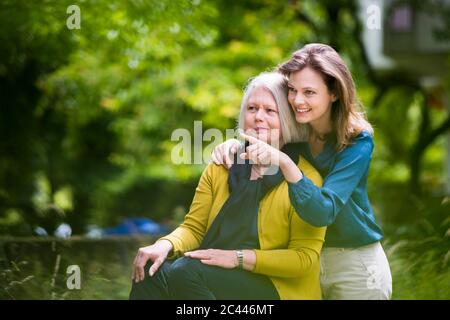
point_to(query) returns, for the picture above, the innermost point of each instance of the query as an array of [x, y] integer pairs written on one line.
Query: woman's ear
[[334, 97]]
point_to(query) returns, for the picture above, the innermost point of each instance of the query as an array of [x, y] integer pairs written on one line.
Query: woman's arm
[[320, 206], [222, 155], [190, 233], [186, 237], [227, 259], [262, 153], [305, 242], [301, 255]]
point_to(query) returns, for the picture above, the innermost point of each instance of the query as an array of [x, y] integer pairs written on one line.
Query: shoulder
[[362, 145], [214, 179], [364, 136], [213, 174], [215, 171]]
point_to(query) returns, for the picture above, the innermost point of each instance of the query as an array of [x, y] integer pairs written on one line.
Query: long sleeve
[[301, 255], [320, 206], [190, 233]]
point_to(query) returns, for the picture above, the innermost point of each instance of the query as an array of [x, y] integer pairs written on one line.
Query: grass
[[420, 269], [36, 268]]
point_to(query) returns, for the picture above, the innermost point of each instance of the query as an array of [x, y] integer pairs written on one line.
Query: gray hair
[[276, 83]]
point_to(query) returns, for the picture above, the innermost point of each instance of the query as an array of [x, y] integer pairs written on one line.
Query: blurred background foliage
[[87, 115]]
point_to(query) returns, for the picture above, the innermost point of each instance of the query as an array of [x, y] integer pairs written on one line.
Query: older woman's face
[[261, 118]]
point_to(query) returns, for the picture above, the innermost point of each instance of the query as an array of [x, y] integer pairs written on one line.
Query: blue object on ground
[[136, 226]]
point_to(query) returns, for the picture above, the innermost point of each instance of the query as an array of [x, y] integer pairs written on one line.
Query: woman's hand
[[157, 252], [264, 154], [261, 153], [222, 154], [215, 257], [224, 258]]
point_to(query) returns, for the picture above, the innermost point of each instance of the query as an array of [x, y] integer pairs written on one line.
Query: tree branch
[[445, 125]]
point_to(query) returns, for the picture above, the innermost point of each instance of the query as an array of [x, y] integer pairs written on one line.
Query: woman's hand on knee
[[157, 253]]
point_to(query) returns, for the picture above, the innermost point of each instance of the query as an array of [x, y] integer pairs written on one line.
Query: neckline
[[320, 154]]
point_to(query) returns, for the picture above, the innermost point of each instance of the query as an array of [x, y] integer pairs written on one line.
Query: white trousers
[[355, 273]]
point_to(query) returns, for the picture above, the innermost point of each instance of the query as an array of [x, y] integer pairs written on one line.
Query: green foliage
[[419, 257], [108, 96], [87, 117]]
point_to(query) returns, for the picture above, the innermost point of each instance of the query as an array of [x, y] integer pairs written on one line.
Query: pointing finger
[[249, 138]]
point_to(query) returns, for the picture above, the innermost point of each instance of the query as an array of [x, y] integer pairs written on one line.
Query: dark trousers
[[189, 279]]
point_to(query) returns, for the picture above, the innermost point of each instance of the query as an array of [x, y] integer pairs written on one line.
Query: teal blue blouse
[[342, 202]]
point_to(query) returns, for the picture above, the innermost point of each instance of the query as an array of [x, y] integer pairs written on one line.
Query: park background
[[86, 117]]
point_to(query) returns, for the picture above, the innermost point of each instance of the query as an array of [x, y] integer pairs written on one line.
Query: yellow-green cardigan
[[289, 247]]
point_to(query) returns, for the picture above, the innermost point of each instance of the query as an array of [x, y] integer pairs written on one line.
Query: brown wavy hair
[[347, 113]]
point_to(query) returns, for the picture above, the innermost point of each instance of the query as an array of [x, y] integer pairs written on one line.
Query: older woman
[[241, 238]]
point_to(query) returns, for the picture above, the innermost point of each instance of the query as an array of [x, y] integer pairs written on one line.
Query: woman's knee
[[152, 287], [184, 270]]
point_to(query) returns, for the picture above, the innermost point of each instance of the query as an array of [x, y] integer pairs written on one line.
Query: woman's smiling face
[[309, 97]]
